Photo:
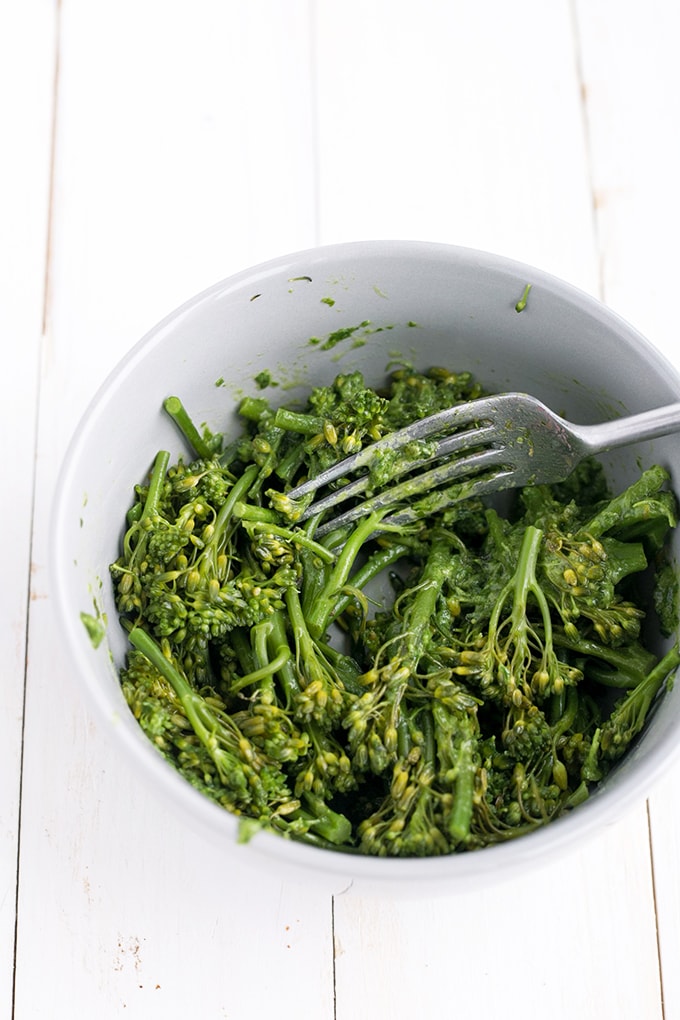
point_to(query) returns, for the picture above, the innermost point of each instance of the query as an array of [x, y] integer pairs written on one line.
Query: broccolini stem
[[521, 585], [209, 727], [149, 509], [629, 715], [264, 672], [615, 512], [566, 718], [320, 613], [329, 824], [590, 769], [277, 641], [252, 512], [236, 494], [145, 644], [294, 421], [289, 462], [160, 467], [177, 411], [297, 620], [345, 667], [579, 796], [426, 723], [259, 636], [404, 742], [373, 566], [422, 607], [525, 582], [464, 785], [630, 664], [253, 408], [239, 764], [244, 652], [296, 537]]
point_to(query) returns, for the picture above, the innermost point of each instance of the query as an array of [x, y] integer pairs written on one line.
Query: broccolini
[[405, 692]]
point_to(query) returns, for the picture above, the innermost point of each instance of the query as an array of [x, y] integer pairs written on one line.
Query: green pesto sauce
[[348, 332], [337, 336]]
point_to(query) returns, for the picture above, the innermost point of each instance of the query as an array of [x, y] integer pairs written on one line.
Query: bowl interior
[[304, 318]]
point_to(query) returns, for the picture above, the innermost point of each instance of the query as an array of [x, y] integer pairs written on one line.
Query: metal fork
[[481, 446]]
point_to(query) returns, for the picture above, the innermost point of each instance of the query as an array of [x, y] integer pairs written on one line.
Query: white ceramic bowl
[[433, 303]]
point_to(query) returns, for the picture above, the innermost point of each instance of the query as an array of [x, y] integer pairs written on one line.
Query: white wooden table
[[149, 149]]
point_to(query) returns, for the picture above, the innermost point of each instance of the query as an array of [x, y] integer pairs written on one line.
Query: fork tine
[[457, 443], [494, 482], [459, 415], [449, 472]]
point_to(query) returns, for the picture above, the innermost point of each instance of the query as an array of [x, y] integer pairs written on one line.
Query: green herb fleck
[[95, 627], [264, 379], [522, 303], [247, 828]]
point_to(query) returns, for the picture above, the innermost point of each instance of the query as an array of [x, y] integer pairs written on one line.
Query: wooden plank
[[188, 158], [632, 83], [464, 123], [558, 942], [184, 152], [129, 911], [459, 123], [665, 841], [26, 83], [632, 89]]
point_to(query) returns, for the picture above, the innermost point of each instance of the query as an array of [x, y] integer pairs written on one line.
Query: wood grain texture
[[27, 52], [632, 102], [459, 123], [193, 141], [561, 942]]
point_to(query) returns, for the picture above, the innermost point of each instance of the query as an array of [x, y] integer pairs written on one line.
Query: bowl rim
[[493, 863]]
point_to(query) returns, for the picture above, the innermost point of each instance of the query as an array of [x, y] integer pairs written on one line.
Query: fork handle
[[661, 421]]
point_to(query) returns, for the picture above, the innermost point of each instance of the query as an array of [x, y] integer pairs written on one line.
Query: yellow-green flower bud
[[330, 433], [559, 774]]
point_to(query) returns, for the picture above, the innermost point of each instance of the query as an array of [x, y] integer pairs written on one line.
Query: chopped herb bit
[[522, 303], [264, 379], [95, 627]]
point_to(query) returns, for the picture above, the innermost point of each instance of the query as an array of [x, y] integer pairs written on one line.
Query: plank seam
[[22, 743], [335, 986], [315, 116], [656, 910], [587, 142], [53, 148]]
